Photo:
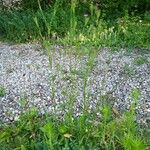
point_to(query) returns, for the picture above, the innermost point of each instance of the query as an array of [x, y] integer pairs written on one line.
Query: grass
[[101, 128], [87, 131], [129, 70], [84, 132], [141, 60], [70, 24], [23, 101], [2, 91]]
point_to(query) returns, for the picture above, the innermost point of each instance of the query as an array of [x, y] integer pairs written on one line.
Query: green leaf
[[48, 129], [23, 147], [62, 129], [136, 94], [4, 136]]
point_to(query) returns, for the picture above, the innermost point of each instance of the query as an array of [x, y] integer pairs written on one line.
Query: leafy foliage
[[84, 132], [75, 24], [2, 91]]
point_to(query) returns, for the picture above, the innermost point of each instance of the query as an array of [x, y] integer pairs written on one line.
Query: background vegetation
[[111, 23]]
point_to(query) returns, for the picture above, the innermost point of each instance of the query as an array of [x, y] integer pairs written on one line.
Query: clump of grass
[[141, 60], [2, 91], [23, 100], [129, 70]]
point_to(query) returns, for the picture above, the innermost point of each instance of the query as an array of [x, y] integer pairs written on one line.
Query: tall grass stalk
[[73, 21]]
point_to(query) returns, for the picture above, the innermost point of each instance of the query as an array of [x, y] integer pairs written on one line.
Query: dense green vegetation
[[106, 24], [81, 23], [85, 132]]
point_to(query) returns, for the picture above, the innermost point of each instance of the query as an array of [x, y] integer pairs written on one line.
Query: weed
[[2, 91], [33, 131], [23, 100], [141, 60], [129, 70]]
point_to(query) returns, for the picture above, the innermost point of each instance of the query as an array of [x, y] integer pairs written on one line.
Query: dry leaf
[[115, 111]]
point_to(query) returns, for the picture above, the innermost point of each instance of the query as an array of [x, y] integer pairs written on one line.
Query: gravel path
[[29, 81]]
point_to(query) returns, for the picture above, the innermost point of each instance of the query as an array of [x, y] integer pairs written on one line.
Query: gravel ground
[[29, 80]]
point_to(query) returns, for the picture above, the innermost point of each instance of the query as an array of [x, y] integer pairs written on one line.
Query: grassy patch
[[2, 91], [128, 70], [84, 132], [141, 60]]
